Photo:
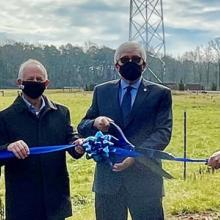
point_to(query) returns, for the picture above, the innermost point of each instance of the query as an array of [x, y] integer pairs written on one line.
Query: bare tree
[[216, 46]]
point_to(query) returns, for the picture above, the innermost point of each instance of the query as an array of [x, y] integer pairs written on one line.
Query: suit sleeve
[[85, 127], [71, 135], [4, 140], [160, 137], [3, 134]]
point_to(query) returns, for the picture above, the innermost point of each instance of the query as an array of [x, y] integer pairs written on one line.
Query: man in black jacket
[[37, 187], [143, 110]]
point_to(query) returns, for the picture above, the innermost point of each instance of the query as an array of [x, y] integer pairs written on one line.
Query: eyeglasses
[[136, 59]]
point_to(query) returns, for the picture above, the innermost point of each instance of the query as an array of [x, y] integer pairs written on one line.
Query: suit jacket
[[149, 125], [38, 184]]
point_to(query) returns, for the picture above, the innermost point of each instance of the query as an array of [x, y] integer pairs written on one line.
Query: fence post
[[184, 147]]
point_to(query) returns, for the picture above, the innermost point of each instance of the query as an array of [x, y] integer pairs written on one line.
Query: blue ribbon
[[107, 148], [152, 153], [4, 154]]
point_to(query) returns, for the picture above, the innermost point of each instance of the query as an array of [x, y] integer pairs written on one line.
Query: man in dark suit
[[143, 110], [37, 187]]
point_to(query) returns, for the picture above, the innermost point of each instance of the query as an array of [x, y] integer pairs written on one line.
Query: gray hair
[[129, 45], [31, 62]]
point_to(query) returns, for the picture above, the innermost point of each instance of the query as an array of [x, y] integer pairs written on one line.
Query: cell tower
[[146, 26]]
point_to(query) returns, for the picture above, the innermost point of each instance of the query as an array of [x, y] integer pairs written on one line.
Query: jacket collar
[[50, 104], [21, 106]]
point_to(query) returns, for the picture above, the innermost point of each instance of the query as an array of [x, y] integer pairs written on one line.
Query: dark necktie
[[126, 103]]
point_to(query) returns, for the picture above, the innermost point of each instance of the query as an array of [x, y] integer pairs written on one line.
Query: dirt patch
[[196, 216]]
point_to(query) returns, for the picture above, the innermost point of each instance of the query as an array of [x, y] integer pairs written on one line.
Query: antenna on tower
[[147, 27]]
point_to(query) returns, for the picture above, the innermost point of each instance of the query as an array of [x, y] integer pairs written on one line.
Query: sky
[[188, 23]]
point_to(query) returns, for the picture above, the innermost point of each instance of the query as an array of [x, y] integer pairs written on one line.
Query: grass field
[[198, 194]]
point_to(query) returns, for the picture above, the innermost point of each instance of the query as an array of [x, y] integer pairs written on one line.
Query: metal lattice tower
[[146, 26]]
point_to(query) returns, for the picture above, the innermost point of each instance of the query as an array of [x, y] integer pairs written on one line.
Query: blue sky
[[188, 23]]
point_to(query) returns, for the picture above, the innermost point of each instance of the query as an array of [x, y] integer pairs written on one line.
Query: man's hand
[[78, 148], [102, 123], [214, 160], [127, 162], [19, 149]]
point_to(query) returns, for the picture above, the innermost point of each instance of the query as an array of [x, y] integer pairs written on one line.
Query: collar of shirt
[[124, 85], [135, 85], [32, 108]]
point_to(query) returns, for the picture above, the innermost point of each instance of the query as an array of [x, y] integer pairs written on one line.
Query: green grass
[[199, 193]]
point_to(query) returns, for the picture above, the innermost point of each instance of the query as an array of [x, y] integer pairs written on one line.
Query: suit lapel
[[142, 93], [115, 103]]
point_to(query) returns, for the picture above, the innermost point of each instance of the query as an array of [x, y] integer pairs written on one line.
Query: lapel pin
[[145, 89]]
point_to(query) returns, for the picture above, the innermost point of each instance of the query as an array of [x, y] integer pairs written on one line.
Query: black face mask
[[130, 71], [33, 89]]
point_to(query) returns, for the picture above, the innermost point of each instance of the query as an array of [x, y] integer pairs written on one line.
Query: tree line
[[75, 66]]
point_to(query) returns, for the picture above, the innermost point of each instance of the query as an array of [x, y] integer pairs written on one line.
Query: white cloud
[[191, 15]]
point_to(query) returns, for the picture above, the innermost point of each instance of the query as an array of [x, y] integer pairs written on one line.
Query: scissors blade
[[157, 154]]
